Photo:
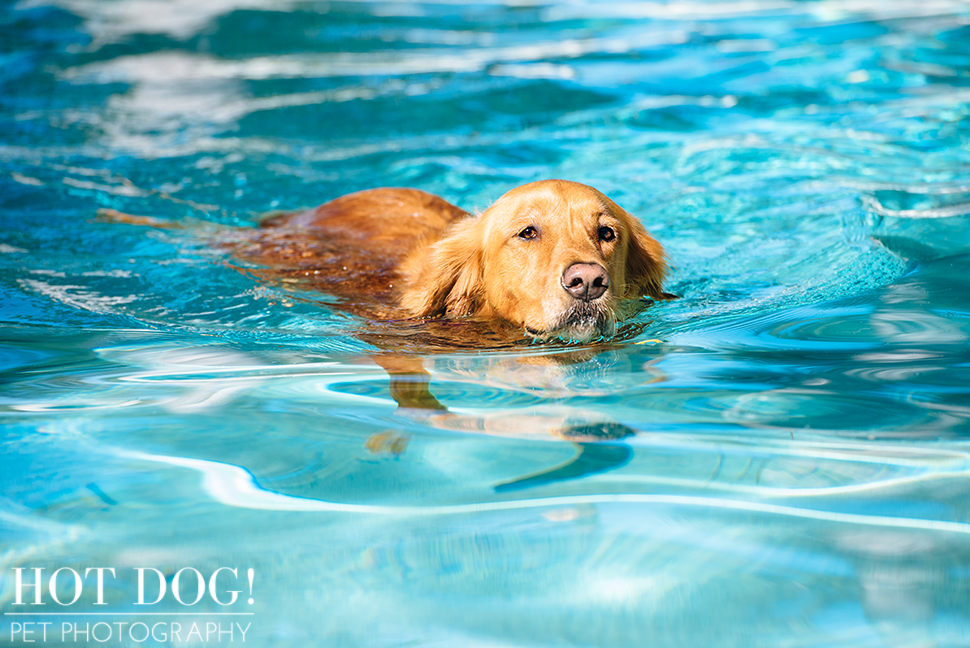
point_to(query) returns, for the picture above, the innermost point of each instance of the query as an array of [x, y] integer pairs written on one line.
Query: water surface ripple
[[778, 458]]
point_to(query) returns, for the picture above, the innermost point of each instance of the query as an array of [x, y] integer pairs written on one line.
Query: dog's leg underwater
[[409, 382]]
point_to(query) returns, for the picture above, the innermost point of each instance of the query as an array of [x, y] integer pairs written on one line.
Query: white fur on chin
[[583, 322]]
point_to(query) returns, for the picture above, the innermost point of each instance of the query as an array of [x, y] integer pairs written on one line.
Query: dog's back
[[349, 247]]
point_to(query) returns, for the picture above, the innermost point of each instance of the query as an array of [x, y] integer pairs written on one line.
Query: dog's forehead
[[567, 199]]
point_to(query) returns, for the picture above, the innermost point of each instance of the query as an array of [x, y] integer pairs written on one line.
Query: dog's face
[[553, 257]]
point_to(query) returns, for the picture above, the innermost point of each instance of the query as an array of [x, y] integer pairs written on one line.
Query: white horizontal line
[[129, 613]]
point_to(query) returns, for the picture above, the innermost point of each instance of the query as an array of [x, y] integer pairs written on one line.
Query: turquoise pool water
[[792, 467]]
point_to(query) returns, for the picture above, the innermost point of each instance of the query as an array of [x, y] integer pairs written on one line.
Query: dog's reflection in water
[[598, 441]]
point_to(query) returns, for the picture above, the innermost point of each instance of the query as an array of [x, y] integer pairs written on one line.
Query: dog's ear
[[646, 265], [446, 278]]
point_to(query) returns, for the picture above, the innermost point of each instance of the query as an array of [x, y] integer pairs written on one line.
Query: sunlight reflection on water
[[775, 459]]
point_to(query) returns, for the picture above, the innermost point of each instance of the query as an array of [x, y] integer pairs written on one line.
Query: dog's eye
[[528, 233], [606, 233]]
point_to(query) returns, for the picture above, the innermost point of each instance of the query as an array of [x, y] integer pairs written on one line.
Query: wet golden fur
[[397, 254]]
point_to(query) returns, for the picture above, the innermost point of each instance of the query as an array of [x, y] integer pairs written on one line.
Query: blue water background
[[799, 469]]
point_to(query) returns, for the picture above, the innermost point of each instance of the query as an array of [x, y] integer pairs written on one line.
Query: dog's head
[[554, 257]]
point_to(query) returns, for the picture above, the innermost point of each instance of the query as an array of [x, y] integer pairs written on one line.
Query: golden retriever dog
[[550, 259]]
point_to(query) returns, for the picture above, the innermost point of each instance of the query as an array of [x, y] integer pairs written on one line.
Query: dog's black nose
[[585, 281]]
